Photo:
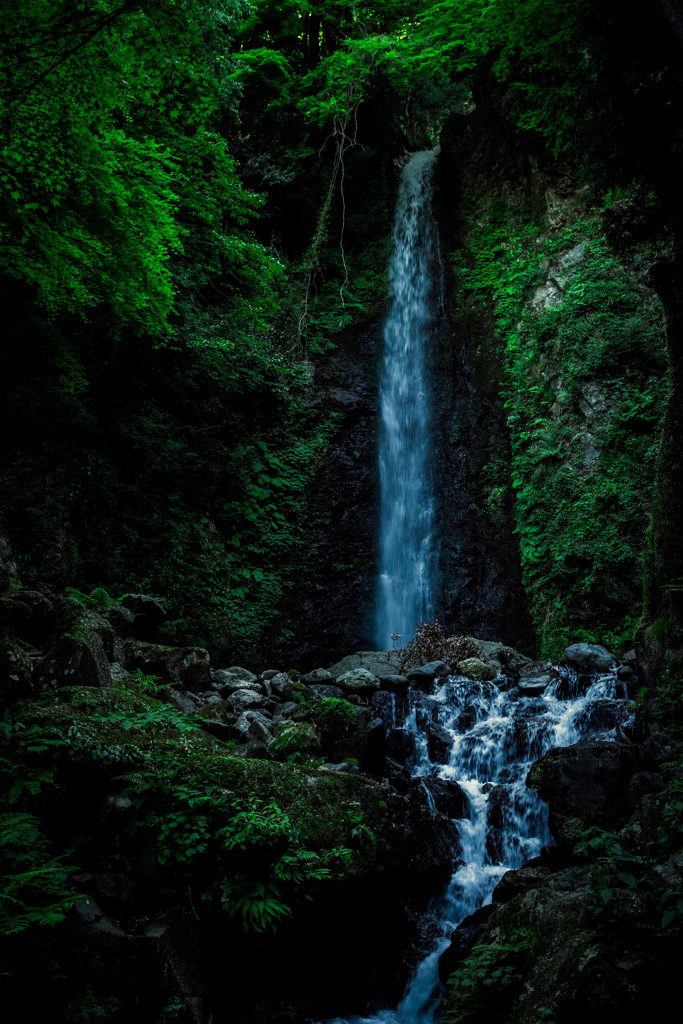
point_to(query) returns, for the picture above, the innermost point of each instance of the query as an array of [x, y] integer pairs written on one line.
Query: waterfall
[[407, 550], [496, 733]]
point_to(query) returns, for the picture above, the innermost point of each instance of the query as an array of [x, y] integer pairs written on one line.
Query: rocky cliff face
[[330, 610], [566, 340]]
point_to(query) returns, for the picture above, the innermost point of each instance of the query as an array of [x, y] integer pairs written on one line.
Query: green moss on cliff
[[585, 390]]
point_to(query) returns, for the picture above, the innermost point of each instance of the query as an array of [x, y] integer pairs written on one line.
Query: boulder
[[16, 670], [80, 657], [226, 683], [475, 668], [439, 743], [588, 659], [358, 680], [429, 672], [322, 690], [182, 701], [148, 616], [446, 795], [28, 612], [642, 786], [277, 683], [186, 666], [300, 738], [514, 883], [318, 675], [379, 663], [394, 683], [533, 686], [252, 726], [659, 749], [241, 673], [14, 613], [244, 700], [122, 621], [584, 784], [501, 657], [401, 745]]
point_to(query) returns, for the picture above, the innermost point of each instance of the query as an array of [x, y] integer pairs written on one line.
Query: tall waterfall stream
[[407, 557], [476, 740]]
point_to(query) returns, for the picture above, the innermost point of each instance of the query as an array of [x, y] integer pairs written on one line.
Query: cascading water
[[473, 744], [407, 557]]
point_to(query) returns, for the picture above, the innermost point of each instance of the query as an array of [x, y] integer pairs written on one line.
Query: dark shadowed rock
[[447, 795], [401, 745], [585, 784], [122, 620], [394, 683], [513, 883], [429, 672], [186, 666], [80, 657], [16, 670], [322, 690], [439, 743], [642, 786]]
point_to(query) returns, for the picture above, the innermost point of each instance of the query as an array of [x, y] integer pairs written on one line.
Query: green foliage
[[242, 837], [331, 710], [630, 870], [670, 690], [102, 192], [99, 600], [585, 392], [485, 979], [34, 888]]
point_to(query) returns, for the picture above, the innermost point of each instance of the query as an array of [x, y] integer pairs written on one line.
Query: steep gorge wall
[[569, 338]]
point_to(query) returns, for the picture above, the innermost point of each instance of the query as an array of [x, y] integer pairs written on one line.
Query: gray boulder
[[533, 686], [81, 656], [318, 675], [584, 784], [501, 657], [252, 726], [588, 659], [148, 614], [359, 680], [379, 663], [323, 690], [227, 683], [244, 700], [241, 673]]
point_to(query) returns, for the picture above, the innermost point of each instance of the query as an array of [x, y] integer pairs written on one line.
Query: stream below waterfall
[[471, 746]]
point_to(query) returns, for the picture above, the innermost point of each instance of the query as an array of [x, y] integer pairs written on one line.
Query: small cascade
[[407, 555], [496, 734]]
